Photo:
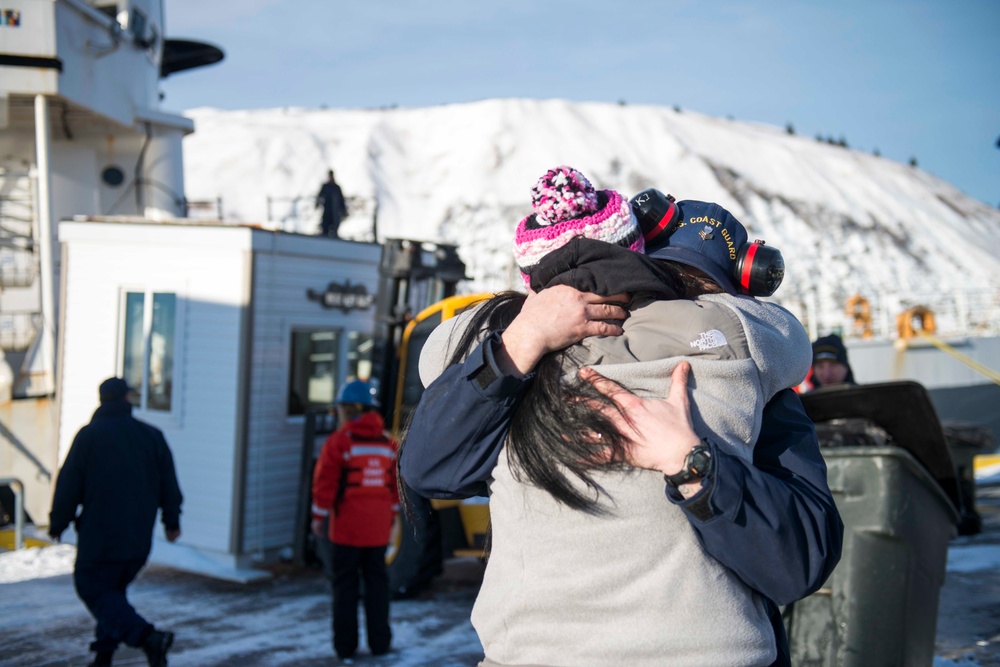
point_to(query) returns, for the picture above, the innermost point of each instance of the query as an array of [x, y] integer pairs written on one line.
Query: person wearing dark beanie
[[121, 472], [830, 366]]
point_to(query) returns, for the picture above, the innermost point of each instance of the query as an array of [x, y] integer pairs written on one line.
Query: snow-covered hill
[[847, 222]]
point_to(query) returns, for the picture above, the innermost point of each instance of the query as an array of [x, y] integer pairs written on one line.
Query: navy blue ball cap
[[708, 237]]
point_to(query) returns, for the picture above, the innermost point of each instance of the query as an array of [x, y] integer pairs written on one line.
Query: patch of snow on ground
[[974, 558], [37, 563]]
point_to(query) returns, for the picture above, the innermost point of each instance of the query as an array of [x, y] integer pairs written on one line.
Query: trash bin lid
[[901, 409]]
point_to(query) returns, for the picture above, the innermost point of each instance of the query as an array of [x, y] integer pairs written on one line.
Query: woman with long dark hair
[[592, 563]]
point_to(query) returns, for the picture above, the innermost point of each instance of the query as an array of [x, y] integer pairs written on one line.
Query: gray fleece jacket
[[634, 586]]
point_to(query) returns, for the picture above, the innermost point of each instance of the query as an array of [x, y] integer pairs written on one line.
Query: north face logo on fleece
[[708, 340]]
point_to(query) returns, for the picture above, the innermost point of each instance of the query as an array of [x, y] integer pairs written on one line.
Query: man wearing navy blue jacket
[[120, 470], [772, 522]]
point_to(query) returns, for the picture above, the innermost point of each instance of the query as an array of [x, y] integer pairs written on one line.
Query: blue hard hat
[[358, 392]]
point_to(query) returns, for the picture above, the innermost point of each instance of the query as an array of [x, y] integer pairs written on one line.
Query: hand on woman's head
[[558, 317]]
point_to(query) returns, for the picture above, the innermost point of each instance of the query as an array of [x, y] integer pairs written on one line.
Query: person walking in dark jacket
[[121, 471], [331, 198]]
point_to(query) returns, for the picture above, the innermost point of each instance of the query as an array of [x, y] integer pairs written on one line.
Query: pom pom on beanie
[[562, 194]]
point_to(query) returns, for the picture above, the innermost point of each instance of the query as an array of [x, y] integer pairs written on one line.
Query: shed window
[[314, 370], [320, 360], [147, 361]]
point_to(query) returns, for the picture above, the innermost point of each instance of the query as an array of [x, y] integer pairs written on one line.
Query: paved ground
[[285, 621], [969, 610]]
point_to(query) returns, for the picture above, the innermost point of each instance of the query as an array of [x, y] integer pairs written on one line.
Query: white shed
[[228, 333]]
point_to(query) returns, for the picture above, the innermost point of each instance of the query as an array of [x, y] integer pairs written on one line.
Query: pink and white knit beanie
[[566, 206]]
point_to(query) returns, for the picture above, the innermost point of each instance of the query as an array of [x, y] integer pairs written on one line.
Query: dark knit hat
[[113, 389], [830, 347], [708, 237], [566, 205]]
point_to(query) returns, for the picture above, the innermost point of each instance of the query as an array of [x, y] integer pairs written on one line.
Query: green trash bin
[[966, 441], [892, 478]]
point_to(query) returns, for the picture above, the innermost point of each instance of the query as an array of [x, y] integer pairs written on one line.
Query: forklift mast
[[412, 276]]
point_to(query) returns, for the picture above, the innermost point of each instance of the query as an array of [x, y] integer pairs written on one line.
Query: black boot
[[156, 646], [102, 660]]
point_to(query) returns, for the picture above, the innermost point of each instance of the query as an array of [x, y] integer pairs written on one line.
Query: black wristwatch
[[696, 465]]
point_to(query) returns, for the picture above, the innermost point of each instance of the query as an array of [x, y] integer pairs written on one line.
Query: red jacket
[[354, 483]]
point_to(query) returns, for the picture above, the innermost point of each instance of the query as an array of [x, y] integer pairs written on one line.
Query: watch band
[[696, 465]]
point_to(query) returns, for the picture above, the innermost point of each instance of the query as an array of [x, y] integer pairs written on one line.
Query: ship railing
[[203, 209], [964, 312]]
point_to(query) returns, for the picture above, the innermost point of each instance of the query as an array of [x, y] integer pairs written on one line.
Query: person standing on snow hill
[[121, 471], [331, 198], [354, 487]]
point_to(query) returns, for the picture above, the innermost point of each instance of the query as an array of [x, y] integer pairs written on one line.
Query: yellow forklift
[[417, 291], [429, 531]]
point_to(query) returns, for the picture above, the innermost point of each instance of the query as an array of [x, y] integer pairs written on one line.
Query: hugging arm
[[774, 523], [462, 419], [459, 426]]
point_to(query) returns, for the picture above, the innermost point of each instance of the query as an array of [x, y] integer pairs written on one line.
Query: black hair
[[553, 441]]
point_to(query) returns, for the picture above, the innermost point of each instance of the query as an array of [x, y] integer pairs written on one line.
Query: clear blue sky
[[908, 77]]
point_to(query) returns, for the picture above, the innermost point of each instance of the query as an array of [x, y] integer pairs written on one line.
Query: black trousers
[[101, 585], [350, 564], [329, 224]]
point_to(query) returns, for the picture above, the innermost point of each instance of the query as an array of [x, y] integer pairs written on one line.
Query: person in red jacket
[[354, 486]]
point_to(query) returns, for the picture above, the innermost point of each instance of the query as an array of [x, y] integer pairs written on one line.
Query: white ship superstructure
[[81, 134]]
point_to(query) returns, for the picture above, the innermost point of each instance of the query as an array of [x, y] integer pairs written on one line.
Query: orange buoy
[[859, 310], [915, 320]]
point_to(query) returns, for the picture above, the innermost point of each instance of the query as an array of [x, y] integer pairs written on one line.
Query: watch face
[[696, 465], [698, 461]]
